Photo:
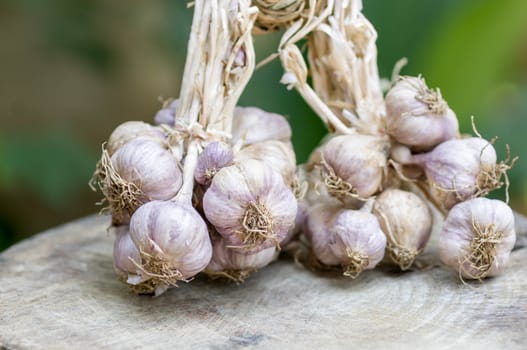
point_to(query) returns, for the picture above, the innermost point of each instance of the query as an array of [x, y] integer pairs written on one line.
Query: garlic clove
[[353, 165], [279, 155], [253, 125], [357, 241], [418, 116], [477, 238], [406, 221], [173, 242], [250, 206], [132, 130], [215, 156]]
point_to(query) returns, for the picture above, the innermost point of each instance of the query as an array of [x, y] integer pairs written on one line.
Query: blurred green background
[[72, 70]]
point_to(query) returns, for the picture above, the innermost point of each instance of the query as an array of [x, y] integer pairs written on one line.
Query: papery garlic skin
[[418, 116], [252, 125], [406, 221], [354, 165], [279, 155], [457, 169], [477, 238], [317, 229], [250, 206], [171, 234], [167, 114], [230, 263], [149, 166], [132, 130], [357, 241], [124, 251], [301, 217], [215, 156]]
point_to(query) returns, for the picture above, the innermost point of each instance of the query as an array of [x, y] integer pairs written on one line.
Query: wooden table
[[58, 290]]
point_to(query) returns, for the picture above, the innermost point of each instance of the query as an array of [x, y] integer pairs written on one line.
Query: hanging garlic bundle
[[374, 142], [172, 186]]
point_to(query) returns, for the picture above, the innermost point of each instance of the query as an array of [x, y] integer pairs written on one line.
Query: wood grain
[[58, 291]]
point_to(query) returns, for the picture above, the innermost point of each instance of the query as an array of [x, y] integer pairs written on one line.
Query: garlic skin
[[477, 238], [228, 262], [124, 249], [418, 116], [317, 229], [132, 130], [173, 241], [460, 169], [354, 165], [215, 156], [357, 241], [150, 167], [252, 125], [406, 221], [277, 154], [167, 114], [250, 206]]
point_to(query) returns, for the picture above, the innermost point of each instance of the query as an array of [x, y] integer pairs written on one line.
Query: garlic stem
[[294, 64], [189, 167]]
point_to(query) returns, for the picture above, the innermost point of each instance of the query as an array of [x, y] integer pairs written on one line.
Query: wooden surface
[[58, 291]]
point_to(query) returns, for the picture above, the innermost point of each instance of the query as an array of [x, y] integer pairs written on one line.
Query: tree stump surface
[[58, 290]]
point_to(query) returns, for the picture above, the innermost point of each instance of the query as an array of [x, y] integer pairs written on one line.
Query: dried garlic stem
[[343, 62], [219, 63]]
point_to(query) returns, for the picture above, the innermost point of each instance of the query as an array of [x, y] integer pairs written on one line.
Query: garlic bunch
[[230, 263], [406, 221], [477, 238], [460, 169], [250, 206], [350, 238], [418, 116], [352, 165]]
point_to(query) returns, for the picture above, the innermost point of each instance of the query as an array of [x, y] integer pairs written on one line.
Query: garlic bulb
[[406, 221], [460, 169], [167, 114], [139, 171], [173, 242], [350, 238], [477, 238], [229, 263], [353, 165], [277, 154], [357, 241], [418, 116], [253, 125], [250, 206], [214, 157], [132, 130]]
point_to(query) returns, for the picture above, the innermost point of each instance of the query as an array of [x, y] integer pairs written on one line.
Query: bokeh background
[[72, 70]]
